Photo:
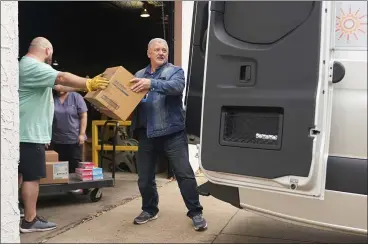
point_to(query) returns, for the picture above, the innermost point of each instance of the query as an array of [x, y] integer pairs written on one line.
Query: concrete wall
[[9, 123]]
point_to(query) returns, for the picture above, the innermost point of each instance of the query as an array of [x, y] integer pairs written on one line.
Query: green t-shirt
[[36, 103]]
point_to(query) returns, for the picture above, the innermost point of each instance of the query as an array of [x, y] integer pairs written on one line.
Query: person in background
[[69, 127], [159, 124], [37, 79]]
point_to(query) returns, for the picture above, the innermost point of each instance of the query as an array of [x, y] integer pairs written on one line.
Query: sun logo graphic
[[351, 23]]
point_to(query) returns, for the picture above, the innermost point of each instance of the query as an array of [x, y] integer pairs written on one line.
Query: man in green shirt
[[36, 110]]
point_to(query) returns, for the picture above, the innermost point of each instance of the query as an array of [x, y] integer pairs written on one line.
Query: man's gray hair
[[158, 40]]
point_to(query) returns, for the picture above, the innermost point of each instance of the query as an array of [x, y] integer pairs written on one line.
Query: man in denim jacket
[[159, 124]]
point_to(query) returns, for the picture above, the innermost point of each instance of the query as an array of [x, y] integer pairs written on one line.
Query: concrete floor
[[110, 221], [68, 210]]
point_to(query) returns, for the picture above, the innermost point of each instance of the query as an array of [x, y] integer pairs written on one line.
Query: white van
[[277, 96]]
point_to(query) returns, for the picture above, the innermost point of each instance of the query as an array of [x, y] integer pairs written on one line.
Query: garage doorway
[[88, 37]]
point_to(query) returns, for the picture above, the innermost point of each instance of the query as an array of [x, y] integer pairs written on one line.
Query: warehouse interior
[[89, 37]]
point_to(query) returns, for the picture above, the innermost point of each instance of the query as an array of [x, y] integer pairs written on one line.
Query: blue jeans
[[175, 147]]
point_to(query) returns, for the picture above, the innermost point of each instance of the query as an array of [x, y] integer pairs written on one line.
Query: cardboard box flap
[[109, 72]]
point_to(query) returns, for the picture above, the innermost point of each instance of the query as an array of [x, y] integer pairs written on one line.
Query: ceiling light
[[145, 14], [55, 63]]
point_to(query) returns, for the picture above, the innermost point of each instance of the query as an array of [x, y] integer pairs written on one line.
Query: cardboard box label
[[110, 102], [121, 87], [60, 171]]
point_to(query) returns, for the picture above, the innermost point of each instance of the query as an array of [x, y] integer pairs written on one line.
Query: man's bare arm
[[71, 80], [62, 88]]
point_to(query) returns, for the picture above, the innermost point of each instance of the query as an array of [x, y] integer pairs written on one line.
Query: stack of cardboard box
[[87, 171], [84, 171], [56, 172]]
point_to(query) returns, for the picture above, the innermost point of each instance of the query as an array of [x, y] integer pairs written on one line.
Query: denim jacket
[[165, 113]]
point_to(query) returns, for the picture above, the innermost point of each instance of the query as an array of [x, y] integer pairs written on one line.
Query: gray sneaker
[[38, 224], [199, 223], [144, 217]]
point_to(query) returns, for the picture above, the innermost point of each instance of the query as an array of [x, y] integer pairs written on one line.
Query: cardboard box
[[117, 98], [98, 176], [86, 165], [84, 177], [97, 171], [83, 172], [56, 173], [51, 156]]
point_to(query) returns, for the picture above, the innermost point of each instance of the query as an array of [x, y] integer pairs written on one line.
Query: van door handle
[[338, 72], [245, 73]]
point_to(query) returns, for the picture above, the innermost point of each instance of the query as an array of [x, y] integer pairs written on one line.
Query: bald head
[[40, 43], [42, 49]]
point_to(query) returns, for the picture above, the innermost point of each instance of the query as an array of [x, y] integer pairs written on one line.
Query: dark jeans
[[175, 147], [170, 171], [69, 152]]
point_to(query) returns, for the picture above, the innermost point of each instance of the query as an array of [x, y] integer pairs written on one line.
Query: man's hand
[[81, 139], [98, 82], [47, 146], [140, 85]]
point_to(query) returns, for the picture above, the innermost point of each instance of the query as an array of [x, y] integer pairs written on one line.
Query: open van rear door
[[194, 88], [267, 96]]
